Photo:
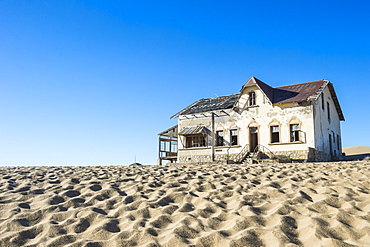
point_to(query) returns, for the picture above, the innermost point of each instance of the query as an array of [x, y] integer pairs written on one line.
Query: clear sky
[[94, 82]]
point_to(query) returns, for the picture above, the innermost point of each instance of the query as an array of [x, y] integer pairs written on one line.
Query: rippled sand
[[308, 204]]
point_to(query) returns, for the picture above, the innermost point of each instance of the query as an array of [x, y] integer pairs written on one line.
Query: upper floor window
[[252, 98], [275, 135], [233, 137], [323, 101], [219, 138], [328, 107], [294, 132]]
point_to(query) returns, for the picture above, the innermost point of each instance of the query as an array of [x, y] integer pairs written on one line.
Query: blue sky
[[94, 82]]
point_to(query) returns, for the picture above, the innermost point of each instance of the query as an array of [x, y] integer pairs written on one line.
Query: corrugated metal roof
[[296, 92], [211, 104], [171, 131], [194, 130], [278, 95]]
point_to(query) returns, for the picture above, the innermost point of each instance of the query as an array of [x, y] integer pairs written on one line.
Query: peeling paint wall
[[313, 124], [323, 127]]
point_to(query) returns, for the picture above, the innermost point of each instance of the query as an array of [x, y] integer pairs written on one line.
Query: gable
[[265, 89], [279, 95]]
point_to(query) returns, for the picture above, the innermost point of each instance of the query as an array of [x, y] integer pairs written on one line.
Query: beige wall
[[323, 127], [262, 116]]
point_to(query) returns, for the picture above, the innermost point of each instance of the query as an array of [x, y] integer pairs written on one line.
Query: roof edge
[[336, 101]]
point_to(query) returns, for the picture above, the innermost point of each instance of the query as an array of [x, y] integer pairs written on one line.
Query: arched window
[[274, 126], [295, 129]]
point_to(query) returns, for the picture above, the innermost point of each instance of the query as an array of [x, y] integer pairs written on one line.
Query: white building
[[301, 121]]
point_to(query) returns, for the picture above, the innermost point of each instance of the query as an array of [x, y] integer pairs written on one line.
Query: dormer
[[252, 94]]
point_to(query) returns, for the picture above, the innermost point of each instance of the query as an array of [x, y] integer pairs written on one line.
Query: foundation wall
[[303, 155]]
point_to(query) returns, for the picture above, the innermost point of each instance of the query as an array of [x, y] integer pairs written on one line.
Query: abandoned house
[[300, 121]]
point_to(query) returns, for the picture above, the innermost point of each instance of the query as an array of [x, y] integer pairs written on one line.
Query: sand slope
[[312, 204], [356, 150]]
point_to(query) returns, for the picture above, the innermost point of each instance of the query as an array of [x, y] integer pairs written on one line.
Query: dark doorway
[[253, 138]]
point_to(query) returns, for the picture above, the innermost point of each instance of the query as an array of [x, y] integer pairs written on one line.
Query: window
[[274, 134], [338, 146], [219, 138], [252, 98], [323, 101], [198, 140], [327, 104], [294, 132], [233, 137]]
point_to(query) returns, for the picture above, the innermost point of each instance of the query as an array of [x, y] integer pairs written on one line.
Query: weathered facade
[[300, 121]]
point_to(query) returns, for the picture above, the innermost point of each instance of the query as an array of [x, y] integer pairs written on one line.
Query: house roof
[[170, 132], [266, 89], [210, 104], [278, 95], [297, 92], [195, 130]]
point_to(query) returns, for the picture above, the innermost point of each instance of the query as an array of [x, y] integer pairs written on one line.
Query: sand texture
[[308, 204], [356, 150]]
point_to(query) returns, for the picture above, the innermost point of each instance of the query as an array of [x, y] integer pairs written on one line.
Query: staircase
[[241, 156], [260, 153]]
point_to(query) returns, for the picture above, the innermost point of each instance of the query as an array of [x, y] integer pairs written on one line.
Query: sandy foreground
[[307, 204]]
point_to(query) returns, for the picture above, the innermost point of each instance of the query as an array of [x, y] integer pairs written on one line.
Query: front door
[[253, 138]]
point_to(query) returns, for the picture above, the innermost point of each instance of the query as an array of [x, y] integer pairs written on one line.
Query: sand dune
[[308, 204], [356, 150]]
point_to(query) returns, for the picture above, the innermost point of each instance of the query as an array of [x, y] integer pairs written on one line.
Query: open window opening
[[233, 137], [323, 102], [275, 134], [294, 132], [196, 140], [252, 98], [219, 138]]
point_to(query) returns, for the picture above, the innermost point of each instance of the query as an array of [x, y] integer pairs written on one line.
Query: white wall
[[323, 127], [262, 115]]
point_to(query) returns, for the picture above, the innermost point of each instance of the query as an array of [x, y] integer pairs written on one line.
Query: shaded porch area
[[168, 140]]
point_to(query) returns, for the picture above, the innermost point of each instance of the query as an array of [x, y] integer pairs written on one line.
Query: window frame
[[196, 141], [294, 134], [274, 132], [232, 137], [323, 101], [252, 99], [219, 138], [338, 144]]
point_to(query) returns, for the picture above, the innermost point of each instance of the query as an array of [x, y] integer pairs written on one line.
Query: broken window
[[294, 132], [219, 138], [252, 98], [198, 140], [275, 134], [233, 137]]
